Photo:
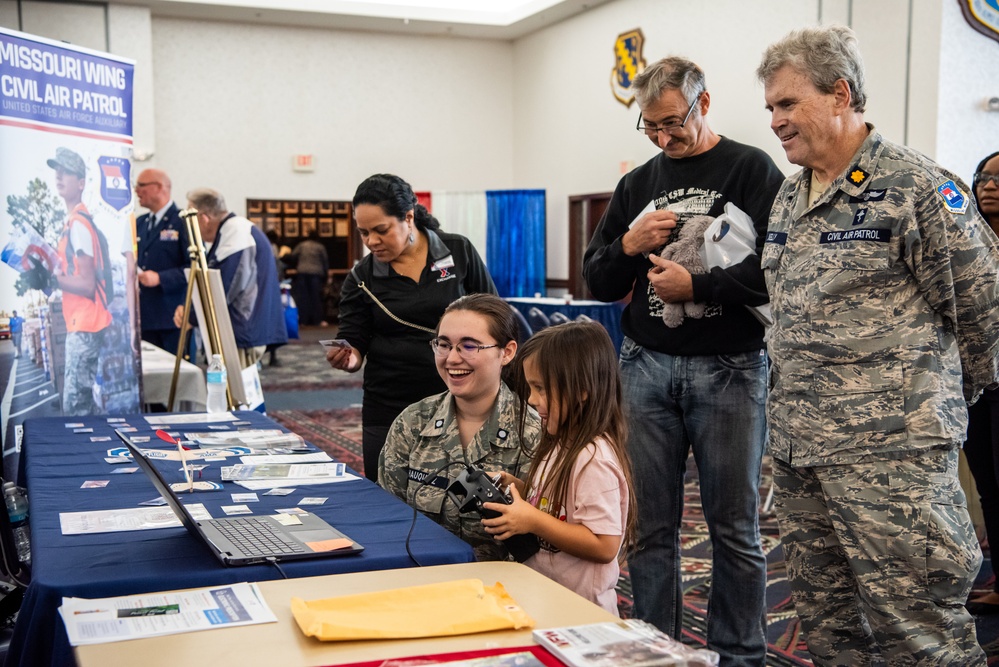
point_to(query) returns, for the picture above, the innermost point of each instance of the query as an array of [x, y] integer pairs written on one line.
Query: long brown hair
[[578, 368]]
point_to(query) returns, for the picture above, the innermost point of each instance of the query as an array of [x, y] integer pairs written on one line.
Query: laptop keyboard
[[256, 537]]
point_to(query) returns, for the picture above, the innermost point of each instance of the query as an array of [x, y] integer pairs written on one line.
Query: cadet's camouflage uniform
[[425, 437], [886, 307]]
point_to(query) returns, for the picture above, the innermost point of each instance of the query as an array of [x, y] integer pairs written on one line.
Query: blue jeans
[[715, 406]]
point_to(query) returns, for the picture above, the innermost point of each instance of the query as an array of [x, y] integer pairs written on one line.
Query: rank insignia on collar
[[858, 176], [439, 423], [501, 434], [954, 199]]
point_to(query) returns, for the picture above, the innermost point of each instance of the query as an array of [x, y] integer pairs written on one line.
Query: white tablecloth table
[[157, 372]]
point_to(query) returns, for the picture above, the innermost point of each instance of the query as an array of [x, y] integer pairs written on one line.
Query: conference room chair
[[524, 330], [538, 319], [584, 318], [558, 318]]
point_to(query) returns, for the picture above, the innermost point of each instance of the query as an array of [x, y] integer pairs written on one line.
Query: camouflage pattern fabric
[[82, 354], [885, 297], [899, 529], [886, 306], [425, 437]]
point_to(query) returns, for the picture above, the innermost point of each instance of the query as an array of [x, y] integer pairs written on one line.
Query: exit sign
[[303, 162]]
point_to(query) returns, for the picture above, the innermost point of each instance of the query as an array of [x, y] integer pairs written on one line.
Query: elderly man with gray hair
[[699, 386], [883, 283], [242, 254]]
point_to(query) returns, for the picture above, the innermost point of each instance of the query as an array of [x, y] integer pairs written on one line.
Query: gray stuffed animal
[[686, 251]]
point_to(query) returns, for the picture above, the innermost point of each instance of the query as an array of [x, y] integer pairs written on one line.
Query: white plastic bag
[[729, 240]]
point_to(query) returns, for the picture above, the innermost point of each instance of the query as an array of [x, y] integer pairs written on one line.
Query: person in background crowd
[[392, 300], [701, 386], [242, 253], [883, 281], [982, 444], [475, 422], [312, 265], [163, 255], [16, 327], [280, 252]]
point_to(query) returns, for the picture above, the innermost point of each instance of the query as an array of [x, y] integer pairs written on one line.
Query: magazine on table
[[628, 643]]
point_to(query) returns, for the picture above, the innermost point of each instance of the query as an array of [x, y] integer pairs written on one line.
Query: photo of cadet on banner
[[67, 233]]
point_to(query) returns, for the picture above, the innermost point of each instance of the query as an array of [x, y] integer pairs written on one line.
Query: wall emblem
[[982, 15], [628, 62]]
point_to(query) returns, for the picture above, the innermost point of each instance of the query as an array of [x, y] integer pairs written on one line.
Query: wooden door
[[585, 212]]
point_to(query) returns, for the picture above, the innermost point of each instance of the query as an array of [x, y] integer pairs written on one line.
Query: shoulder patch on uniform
[[858, 176], [954, 200]]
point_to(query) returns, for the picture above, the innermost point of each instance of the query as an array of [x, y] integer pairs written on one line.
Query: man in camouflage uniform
[[424, 439], [883, 283]]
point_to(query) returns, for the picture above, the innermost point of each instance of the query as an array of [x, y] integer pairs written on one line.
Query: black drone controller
[[471, 489]]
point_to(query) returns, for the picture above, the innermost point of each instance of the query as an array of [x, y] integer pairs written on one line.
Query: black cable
[[412, 525], [273, 561]]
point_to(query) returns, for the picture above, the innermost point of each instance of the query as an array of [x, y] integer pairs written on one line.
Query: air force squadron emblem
[[628, 62]]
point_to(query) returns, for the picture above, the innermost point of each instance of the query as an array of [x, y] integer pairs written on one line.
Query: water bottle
[[217, 381], [17, 508]]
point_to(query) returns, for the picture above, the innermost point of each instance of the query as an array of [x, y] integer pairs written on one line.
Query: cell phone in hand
[[334, 342]]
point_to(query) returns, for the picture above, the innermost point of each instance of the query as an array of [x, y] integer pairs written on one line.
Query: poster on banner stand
[[67, 234]]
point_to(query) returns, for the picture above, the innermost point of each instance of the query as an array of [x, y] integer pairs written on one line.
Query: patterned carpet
[[338, 432]]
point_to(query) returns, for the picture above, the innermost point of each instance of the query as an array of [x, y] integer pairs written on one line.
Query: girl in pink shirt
[[578, 491]]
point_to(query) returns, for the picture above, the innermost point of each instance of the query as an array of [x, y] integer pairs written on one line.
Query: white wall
[[234, 102], [572, 137], [969, 64]]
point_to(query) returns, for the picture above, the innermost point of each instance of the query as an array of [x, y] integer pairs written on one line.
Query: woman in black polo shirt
[[392, 299]]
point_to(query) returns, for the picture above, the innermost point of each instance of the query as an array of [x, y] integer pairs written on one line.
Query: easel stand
[[198, 276]]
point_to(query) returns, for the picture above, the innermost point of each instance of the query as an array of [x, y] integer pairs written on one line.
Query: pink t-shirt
[[598, 499]]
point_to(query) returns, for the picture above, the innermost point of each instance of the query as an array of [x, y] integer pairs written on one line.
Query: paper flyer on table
[[261, 484], [284, 471], [156, 614], [194, 418], [131, 518]]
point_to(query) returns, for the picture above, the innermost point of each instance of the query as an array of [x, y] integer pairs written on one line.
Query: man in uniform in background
[[163, 256], [883, 284]]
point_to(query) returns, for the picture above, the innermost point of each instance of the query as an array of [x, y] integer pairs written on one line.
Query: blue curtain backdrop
[[515, 241]]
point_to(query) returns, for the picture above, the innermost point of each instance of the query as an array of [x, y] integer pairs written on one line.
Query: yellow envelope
[[435, 610]]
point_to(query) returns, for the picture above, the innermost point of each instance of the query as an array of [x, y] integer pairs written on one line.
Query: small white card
[[236, 509], [245, 498], [288, 519], [279, 492], [312, 501]]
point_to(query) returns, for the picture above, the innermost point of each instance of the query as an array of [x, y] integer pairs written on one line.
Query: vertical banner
[[67, 234]]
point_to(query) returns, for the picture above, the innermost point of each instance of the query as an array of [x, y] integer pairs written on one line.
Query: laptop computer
[[248, 540]]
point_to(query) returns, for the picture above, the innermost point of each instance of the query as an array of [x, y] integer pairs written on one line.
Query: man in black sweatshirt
[[701, 385]]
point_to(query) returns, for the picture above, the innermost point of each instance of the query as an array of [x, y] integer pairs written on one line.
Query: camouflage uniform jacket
[[425, 437], [886, 308]]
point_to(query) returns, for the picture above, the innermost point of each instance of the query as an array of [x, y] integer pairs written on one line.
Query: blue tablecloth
[[57, 461], [607, 314]]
